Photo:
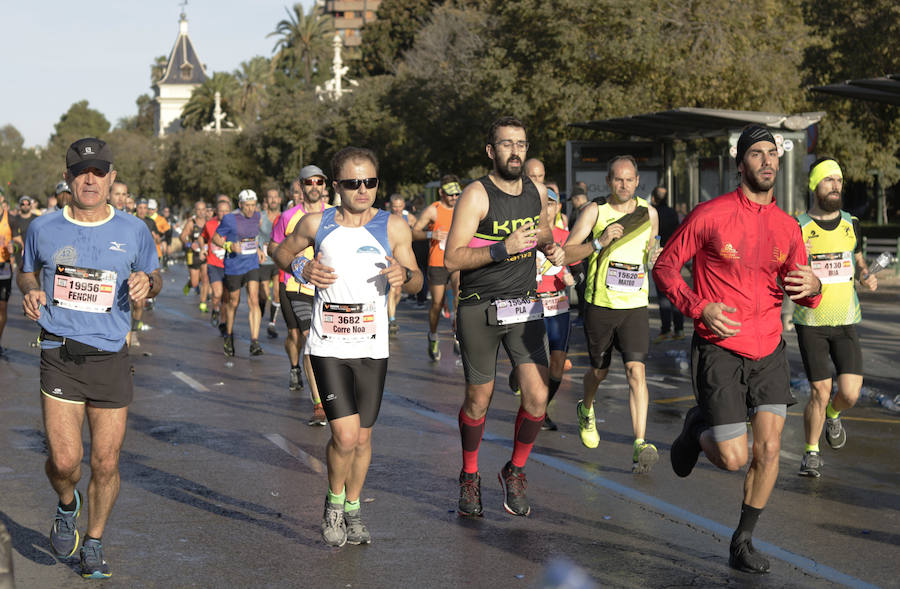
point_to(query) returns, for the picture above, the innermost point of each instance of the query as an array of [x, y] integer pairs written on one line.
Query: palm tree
[[304, 38], [158, 69], [199, 109], [254, 77]]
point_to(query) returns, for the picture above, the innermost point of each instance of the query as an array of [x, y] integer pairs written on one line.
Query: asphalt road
[[223, 480]]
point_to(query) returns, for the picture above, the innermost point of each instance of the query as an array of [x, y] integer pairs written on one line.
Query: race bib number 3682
[[84, 289]]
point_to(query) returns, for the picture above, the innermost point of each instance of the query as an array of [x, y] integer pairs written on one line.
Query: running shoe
[[296, 383], [587, 426], [270, 330], [645, 456], [393, 327], [187, 288], [204, 308], [63, 533], [334, 529], [679, 335], [319, 418], [549, 424], [512, 479], [434, 350], [93, 565], [810, 465], [469, 495], [514, 383], [357, 532], [256, 349], [456, 349], [743, 557], [214, 318], [835, 434], [686, 448], [223, 329], [662, 337], [229, 345], [144, 326]]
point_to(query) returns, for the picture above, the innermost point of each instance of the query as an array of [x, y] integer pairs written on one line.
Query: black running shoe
[[512, 479], [229, 345], [270, 331], [255, 348], [548, 424], [686, 447], [214, 318], [470, 495], [743, 557], [296, 382]]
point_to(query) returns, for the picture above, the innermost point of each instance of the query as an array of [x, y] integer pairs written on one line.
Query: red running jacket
[[739, 249]]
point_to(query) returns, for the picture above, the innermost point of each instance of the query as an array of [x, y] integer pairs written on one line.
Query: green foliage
[[303, 40], [140, 160], [198, 112], [11, 154], [78, 122], [386, 39], [254, 77], [287, 132]]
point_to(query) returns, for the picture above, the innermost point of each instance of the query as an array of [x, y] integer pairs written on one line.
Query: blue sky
[[57, 52]]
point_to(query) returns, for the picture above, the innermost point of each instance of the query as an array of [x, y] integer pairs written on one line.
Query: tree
[[386, 39], [199, 109], [158, 69], [78, 122], [143, 122], [254, 78], [140, 160], [11, 154], [201, 165], [303, 41]]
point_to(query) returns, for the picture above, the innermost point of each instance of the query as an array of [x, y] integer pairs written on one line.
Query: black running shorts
[[840, 343], [525, 343], [5, 289], [267, 272], [234, 282], [350, 386], [626, 329], [296, 308], [728, 387], [438, 275], [103, 381]]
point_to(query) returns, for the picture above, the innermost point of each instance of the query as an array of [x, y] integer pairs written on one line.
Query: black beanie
[[751, 134]]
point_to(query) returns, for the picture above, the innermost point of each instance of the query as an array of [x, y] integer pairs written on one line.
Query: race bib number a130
[[832, 268], [84, 289]]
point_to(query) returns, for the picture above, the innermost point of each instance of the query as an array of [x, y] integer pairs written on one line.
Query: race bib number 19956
[[84, 289]]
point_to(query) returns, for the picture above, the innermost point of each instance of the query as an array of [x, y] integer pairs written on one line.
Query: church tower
[[184, 72]]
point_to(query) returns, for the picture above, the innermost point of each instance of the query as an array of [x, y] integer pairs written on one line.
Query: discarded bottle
[[888, 403]]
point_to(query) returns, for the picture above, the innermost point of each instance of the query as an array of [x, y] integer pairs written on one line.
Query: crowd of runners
[[502, 263]]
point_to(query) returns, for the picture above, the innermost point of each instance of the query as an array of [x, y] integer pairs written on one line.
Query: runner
[[7, 247], [238, 233], [93, 259], [834, 246], [618, 234], [118, 192], [195, 254], [309, 192], [397, 207], [215, 263], [497, 224], [268, 271], [741, 243], [434, 224], [360, 253], [162, 224], [137, 309]]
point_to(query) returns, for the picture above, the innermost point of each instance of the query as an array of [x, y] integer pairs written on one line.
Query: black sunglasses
[[355, 183]]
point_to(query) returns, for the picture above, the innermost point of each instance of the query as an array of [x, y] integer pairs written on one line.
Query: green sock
[[351, 505], [812, 448], [336, 499], [637, 446], [830, 413]]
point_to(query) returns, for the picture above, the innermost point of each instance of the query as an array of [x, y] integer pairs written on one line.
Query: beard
[[505, 171], [312, 195], [757, 184], [831, 202]]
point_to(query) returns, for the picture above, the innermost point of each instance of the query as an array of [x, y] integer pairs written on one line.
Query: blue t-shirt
[[84, 272], [241, 231]]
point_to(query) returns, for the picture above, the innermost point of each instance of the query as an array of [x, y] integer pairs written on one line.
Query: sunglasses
[[355, 184], [314, 181]]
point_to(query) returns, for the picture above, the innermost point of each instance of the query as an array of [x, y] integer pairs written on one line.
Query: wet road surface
[[223, 480]]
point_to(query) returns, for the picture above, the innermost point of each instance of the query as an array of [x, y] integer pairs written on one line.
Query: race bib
[[832, 268], [555, 303], [510, 311], [84, 289], [217, 251], [248, 246], [348, 322], [624, 277]]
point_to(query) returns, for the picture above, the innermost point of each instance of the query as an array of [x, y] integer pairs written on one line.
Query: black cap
[[751, 134], [578, 190], [89, 153]]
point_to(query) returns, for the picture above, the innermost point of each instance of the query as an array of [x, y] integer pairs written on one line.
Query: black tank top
[[514, 276]]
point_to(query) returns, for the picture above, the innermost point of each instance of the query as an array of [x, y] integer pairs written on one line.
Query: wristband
[[596, 244], [409, 275], [498, 251], [150, 278], [428, 234], [297, 269]]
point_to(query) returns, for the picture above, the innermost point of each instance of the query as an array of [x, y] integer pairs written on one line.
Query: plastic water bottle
[[800, 386], [882, 262], [888, 403]]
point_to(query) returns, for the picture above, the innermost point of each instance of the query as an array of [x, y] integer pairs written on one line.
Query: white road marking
[[197, 386], [312, 462]]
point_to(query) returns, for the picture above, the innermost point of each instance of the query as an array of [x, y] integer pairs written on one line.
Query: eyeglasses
[[355, 183], [95, 171], [508, 144], [314, 181]]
